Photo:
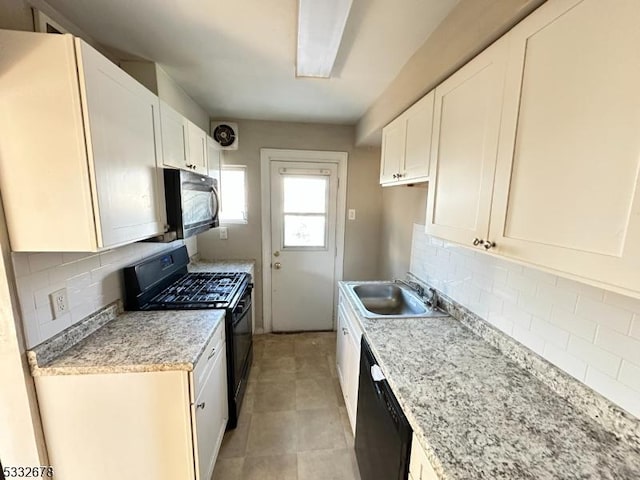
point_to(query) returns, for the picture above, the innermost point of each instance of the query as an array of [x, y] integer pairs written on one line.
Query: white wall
[[362, 236], [590, 333], [92, 282], [402, 206], [470, 27]]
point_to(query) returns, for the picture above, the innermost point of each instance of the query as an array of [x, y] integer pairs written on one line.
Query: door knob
[[276, 253], [477, 241], [277, 265]]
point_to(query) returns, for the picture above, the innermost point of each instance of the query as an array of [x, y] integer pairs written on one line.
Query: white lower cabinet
[[164, 425], [348, 358], [419, 466]]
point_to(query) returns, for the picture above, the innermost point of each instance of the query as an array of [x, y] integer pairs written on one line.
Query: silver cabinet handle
[[201, 405], [213, 352], [488, 245]]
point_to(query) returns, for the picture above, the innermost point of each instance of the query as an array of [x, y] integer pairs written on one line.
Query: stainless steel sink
[[388, 299]]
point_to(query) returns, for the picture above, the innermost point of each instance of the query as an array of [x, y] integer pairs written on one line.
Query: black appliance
[[162, 282], [192, 202], [383, 434]]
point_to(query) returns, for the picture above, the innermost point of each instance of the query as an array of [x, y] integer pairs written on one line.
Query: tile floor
[[293, 424]]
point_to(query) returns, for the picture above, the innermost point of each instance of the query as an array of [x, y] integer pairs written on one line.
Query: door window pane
[[304, 230], [305, 194]]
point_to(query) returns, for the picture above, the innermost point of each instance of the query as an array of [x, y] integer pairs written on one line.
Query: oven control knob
[[277, 265]]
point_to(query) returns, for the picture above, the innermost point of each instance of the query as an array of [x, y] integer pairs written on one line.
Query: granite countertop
[[135, 342], [479, 415], [244, 266]]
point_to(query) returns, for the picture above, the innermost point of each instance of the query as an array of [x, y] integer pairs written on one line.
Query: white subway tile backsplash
[[551, 333], [609, 316], [635, 326], [539, 276], [601, 359], [501, 321], [615, 342], [529, 339], [522, 283], [630, 375], [621, 301], [567, 362], [20, 264], [44, 261], [557, 297], [92, 282], [534, 306], [581, 289], [617, 391], [592, 334], [579, 326]]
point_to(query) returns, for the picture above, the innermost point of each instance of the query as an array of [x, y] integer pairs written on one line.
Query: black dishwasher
[[383, 434]]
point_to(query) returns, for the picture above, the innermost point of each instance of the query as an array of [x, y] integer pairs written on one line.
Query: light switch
[[352, 214], [224, 233]]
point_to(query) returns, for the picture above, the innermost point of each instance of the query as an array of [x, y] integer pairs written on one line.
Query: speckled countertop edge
[[585, 399], [203, 265], [46, 351], [624, 430], [149, 341]]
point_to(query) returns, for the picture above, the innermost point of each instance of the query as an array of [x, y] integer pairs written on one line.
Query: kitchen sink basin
[[388, 299]]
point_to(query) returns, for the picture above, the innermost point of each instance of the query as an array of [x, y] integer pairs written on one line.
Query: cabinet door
[[214, 160], [211, 415], [197, 149], [174, 137], [353, 375], [419, 466], [419, 123], [122, 124], [341, 350], [393, 142], [566, 191], [465, 144]]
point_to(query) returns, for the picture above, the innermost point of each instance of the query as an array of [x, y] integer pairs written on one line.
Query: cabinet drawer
[[419, 465], [214, 347]]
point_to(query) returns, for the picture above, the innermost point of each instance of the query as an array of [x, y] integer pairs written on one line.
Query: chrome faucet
[[430, 297], [416, 287]]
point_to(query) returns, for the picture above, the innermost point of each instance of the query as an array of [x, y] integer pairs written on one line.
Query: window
[[233, 194], [305, 211]]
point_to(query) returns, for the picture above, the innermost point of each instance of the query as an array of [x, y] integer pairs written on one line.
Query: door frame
[[267, 155]]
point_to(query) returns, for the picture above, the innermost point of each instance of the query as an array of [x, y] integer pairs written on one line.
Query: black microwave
[[192, 200]]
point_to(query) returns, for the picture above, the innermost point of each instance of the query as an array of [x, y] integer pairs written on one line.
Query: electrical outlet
[[224, 233], [59, 302], [352, 214]]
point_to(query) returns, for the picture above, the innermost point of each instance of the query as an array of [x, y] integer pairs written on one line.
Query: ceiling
[[236, 58]]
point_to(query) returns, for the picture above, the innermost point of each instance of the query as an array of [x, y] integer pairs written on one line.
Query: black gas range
[[163, 282]]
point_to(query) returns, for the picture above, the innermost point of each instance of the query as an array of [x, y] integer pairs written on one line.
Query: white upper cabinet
[[175, 144], [566, 187], [406, 145], [465, 146], [184, 144], [197, 149], [79, 148]]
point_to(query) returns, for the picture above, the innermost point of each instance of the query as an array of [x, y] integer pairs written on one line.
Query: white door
[[303, 243]]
